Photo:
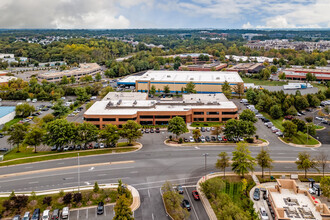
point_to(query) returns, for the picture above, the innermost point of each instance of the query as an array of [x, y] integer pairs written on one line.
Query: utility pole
[[205, 155], [78, 174]]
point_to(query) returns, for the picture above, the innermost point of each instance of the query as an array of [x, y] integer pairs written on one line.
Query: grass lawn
[[264, 82], [51, 155], [12, 122], [318, 126], [319, 86], [301, 138], [205, 124]]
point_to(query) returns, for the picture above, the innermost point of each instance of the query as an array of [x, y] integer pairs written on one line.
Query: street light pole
[[205, 155], [78, 174]]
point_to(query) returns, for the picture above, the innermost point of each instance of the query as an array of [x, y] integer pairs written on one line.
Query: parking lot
[[90, 213]]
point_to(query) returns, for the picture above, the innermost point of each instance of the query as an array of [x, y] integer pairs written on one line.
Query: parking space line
[[78, 214], [192, 206], [105, 211], [87, 214]]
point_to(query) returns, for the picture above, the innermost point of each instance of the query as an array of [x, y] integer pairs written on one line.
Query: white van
[[65, 213]]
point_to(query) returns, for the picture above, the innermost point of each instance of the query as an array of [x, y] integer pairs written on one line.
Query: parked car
[[56, 214], [318, 118], [65, 213], [256, 194], [302, 113], [224, 138], [288, 117], [36, 214], [66, 148], [53, 148], [26, 216], [186, 140], [191, 139], [202, 129], [219, 138], [45, 215], [17, 217], [195, 194], [157, 130], [101, 145], [208, 129], [298, 114], [179, 188], [279, 133], [152, 130], [100, 208], [263, 214], [34, 100], [202, 139], [274, 129], [78, 147], [4, 149], [266, 120], [96, 146], [186, 204], [207, 138], [147, 130], [213, 138]]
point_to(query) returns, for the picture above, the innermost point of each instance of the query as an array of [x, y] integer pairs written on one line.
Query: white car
[[65, 213], [66, 148], [298, 114], [263, 214], [45, 215], [191, 139], [34, 100], [319, 118], [202, 139], [28, 100], [279, 133], [101, 145]]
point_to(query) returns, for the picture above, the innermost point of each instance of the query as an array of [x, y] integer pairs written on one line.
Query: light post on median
[[78, 174], [205, 155]]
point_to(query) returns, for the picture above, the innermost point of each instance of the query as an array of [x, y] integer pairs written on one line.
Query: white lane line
[[33, 182], [102, 174], [61, 163], [152, 216], [148, 193], [159, 186], [105, 211], [192, 206], [69, 178], [27, 167], [78, 214], [87, 214], [197, 177], [134, 172]]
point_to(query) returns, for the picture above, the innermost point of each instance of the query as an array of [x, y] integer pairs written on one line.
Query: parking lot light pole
[[205, 155]]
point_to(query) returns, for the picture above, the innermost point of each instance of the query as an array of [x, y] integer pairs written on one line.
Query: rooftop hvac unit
[[218, 78], [191, 78], [135, 102], [168, 76], [119, 102]]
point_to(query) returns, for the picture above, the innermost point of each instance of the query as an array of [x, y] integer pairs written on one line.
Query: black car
[[207, 138], [186, 204], [213, 138], [152, 130], [59, 148], [45, 109], [71, 147], [3, 149], [36, 214], [100, 208], [1, 135], [256, 194], [186, 140], [34, 114], [157, 130], [266, 120], [53, 148]]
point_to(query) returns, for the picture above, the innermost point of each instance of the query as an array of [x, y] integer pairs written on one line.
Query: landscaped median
[[28, 156], [87, 196]]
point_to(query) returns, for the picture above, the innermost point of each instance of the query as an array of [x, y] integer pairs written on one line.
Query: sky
[[122, 14]]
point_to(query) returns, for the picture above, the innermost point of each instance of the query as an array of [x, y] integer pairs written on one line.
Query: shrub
[[77, 197], [309, 119], [67, 198], [180, 140], [171, 137], [249, 140], [257, 137], [47, 200], [96, 187]]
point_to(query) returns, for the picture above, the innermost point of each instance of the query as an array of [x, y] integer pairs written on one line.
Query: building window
[[146, 122], [198, 113], [126, 119], [198, 119], [109, 119], [213, 113], [212, 119], [92, 119], [162, 116], [161, 122], [229, 113], [146, 116]]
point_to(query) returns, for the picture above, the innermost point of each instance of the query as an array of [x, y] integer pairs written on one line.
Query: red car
[[195, 195], [224, 138]]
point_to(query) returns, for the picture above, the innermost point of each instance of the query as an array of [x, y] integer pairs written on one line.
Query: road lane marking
[[91, 169], [148, 193], [192, 206], [152, 216], [87, 214], [28, 167], [33, 182], [102, 174]]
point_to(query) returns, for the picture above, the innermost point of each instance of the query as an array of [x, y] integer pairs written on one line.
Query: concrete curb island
[[301, 145], [264, 144], [135, 194]]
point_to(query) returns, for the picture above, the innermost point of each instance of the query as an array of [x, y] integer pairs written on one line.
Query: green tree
[[153, 90], [34, 137], [325, 186], [196, 133], [96, 187], [217, 130], [190, 87], [314, 101], [239, 89], [177, 126], [226, 89], [17, 134], [223, 162], [59, 109], [275, 112], [110, 135], [73, 79], [292, 111], [122, 209], [305, 162], [290, 129], [301, 125], [264, 160], [131, 131], [64, 80], [235, 129], [48, 118], [176, 65], [248, 115], [60, 132], [82, 95], [86, 133], [243, 162], [310, 77], [301, 103], [98, 77], [24, 110], [167, 89]]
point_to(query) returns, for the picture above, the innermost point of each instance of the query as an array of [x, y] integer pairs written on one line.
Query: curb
[[302, 146], [138, 147], [264, 144]]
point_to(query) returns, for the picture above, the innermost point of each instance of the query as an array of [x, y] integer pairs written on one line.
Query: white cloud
[[247, 26]]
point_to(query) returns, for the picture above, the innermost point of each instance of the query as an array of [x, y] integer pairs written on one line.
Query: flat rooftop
[[295, 204], [245, 66], [5, 110], [185, 76], [323, 70], [132, 106], [125, 96], [5, 79]]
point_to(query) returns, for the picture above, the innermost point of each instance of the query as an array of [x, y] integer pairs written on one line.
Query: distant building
[[216, 66], [250, 58], [300, 73], [83, 70], [6, 55], [246, 67], [205, 81], [118, 108], [195, 58], [7, 113], [3, 73], [5, 79]]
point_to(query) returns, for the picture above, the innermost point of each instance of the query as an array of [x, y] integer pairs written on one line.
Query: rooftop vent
[[168, 76], [119, 102], [135, 102], [217, 78], [191, 78]]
